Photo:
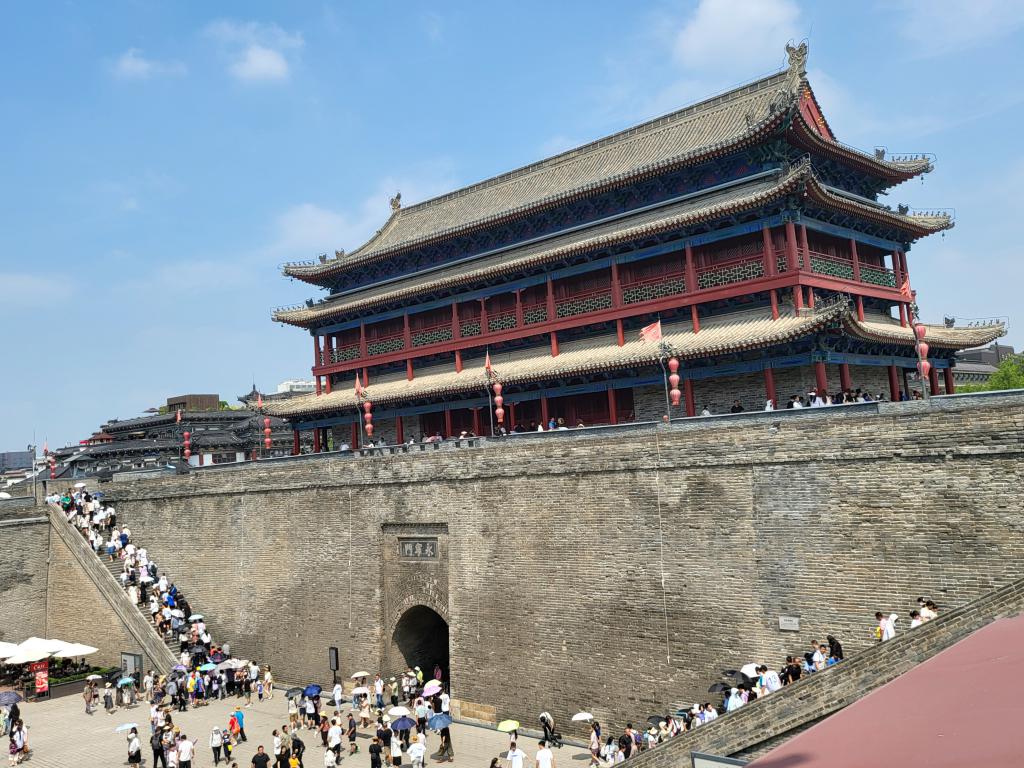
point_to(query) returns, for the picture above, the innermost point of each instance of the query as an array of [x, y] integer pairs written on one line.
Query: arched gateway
[[420, 639]]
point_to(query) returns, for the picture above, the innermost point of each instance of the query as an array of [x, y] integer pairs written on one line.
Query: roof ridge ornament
[[396, 201], [797, 62]]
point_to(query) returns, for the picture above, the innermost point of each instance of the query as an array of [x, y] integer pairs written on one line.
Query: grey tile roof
[[886, 329]]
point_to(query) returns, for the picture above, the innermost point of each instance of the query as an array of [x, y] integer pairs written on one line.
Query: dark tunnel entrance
[[421, 637]]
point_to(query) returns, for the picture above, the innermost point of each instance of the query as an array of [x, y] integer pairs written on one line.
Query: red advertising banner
[[41, 670]]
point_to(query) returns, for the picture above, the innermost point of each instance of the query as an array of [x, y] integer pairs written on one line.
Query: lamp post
[[670, 375]]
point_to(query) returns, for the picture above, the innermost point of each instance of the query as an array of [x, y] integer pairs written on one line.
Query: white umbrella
[[196, 617], [79, 485], [398, 712], [579, 717], [362, 690], [357, 675], [94, 677], [178, 613], [42, 644], [74, 650], [146, 578], [125, 727], [27, 657], [7, 649], [750, 670], [4, 495]]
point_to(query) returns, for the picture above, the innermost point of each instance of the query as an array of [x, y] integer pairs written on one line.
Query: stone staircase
[[756, 728], [104, 575]]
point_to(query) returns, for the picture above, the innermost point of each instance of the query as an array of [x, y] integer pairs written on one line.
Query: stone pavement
[[61, 735]]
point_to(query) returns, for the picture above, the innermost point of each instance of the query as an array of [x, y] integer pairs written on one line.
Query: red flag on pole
[[905, 288], [46, 448], [487, 363], [259, 401], [177, 416], [651, 332], [359, 386]]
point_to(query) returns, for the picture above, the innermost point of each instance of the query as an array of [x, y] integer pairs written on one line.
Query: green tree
[[1009, 375]]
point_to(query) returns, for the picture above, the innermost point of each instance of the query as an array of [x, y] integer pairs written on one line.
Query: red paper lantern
[[924, 367], [188, 454], [186, 436], [367, 406], [369, 430], [920, 329], [266, 422], [673, 364], [267, 442], [497, 388], [922, 348], [499, 412], [367, 417], [674, 394], [499, 401], [673, 380]]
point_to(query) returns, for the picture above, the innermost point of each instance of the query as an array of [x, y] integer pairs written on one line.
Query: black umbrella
[[719, 687], [656, 720], [197, 649], [293, 693]]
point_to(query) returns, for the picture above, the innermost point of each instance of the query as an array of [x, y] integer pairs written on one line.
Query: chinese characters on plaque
[[420, 548]]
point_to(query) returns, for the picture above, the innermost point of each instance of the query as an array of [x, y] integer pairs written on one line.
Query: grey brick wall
[[558, 546], [25, 537]]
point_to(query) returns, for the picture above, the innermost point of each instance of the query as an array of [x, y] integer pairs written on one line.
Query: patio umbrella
[[42, 644], [125, 727], [403, 724], [443, 720], [357, 675], [27, 657], [507, 726], [362, 690], [207, 666], [398, 712], [9, 697], [580, 717], [293, 693], [125, 681], [434, 686], [74, 650], [7, 649], [312, 690]]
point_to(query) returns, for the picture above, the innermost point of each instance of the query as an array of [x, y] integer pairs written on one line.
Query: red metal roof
[[959, 708]]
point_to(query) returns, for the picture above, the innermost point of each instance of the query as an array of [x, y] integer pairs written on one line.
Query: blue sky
[[162, 159]]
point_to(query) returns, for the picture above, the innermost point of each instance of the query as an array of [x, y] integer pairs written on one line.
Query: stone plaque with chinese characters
[[418, 548]]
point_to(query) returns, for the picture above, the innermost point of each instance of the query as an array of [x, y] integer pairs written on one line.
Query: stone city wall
[[25, 537], [612, 570]]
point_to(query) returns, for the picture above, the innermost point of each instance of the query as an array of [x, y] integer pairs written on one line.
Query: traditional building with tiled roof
[[740, 223]]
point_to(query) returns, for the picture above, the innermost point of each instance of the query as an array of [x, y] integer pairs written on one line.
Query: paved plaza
[[62, 735]]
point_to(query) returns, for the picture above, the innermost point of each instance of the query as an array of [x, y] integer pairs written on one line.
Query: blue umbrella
[[439, 721], [9, 697], [126, 681], [312, 690], [179, 668], [403, 724], [207, 667]]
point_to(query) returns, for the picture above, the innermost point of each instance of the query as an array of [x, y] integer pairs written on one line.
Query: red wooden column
[[476, 421], [695, 318], [860, 308], [691, 270], [792, 263], [317, 380], [483, 318], [771, 267], [947, 380], [447, 422], [894, 384], [295, 442], [456, 329], [769, 387], [820, 378], [408, 369], [511, 416], [316, 352], [798, 298], [327, 383], [903, 314], [933, 381], [613, 417], [554, 344], [362, 340], [616, 286], [551, 301], [353, 437], [810, 297], [399, 431], [897, 269], [620, 332], [544, 410], [806, 248], [316, 440], [458, 361], [406, 332], [366, 376], [519, 309], [855, 258], [691, 406], [774, 296], [844, 377]]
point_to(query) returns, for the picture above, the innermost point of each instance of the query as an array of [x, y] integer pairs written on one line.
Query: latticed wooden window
[[504, 322], [537, 314], [384, 346], [432, 336], [350, 352], [877, 276], [470, 328], [834, 267], [582, 305], [732, 273], [654, 290]]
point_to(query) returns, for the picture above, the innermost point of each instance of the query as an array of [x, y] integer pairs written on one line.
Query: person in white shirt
[[334, 736], [396, 749], [446, 702], [134, 748], [545, 758], [185, 750], [772, 681], [515, 756], [418, 749]]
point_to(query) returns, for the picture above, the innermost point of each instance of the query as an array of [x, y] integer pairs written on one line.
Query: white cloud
[[259, 63], [24, 290], [257, 52], [949, 25], [132, 65], [749, 33]]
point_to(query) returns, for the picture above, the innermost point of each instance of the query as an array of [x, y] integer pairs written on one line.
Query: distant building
[[194, 403], [296, 386], [976, 366]]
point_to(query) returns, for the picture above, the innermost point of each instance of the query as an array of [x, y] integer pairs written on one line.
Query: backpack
[[156, 742]]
